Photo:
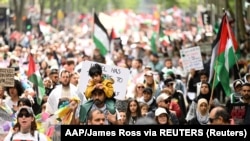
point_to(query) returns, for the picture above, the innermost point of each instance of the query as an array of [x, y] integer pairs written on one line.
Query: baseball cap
[[160, 111], [149, 73], [148, 67], [162, 96], [168, 80], [148, 90], [26, 108]]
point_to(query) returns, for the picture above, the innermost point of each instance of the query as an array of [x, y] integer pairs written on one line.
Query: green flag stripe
[[100, 45], [36, 79]]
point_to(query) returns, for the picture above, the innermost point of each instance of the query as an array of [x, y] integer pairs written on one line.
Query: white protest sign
[[191, 58], [119, 74]]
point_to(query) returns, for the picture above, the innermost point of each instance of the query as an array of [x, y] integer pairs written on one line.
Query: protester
[[245, 100], [61, 52], [100, 101], [133, 112], [99, 81], [64, 90], [161, 117], [25, 128], [14, 95], [149, 99], [96, 117], [219, 116], [202, 113], [205, 92]]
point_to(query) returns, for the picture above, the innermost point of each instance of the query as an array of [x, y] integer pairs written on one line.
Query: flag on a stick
[[224, 56], [35, 77], [101, 37]]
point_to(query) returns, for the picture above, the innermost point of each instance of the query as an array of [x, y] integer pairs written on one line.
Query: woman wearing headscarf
[[205, 92], [202, 113]]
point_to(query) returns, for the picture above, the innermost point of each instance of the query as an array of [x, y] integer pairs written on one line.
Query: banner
[[191, 58], [7, 77], [119, 74]]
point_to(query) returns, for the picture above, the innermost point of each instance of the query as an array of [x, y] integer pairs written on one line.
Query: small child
[[99, 81], [123, 117], [144, 109]]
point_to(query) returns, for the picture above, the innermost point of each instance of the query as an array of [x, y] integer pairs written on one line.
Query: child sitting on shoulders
[[99, 81]]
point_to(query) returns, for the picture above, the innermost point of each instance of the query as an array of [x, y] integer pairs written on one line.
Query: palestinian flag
[[35, 77], [101, 37], [224, 56]]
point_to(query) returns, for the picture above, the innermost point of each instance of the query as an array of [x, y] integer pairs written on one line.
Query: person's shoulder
[[88, 102], [9, 135], [56, 88], [73, 87], [41, 136]]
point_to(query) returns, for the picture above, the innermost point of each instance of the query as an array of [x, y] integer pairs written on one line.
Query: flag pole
[[212, 92], [237, 65], [93, 23]]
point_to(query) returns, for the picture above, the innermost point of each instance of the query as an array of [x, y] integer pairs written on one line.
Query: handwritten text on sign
[[119, 74], [7, 77], [191, 58]]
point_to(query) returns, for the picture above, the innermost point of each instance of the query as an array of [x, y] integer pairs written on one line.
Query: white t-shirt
[[25, 137], [10, 103]]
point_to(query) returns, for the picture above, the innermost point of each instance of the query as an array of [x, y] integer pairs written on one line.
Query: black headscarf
[[206, 96]]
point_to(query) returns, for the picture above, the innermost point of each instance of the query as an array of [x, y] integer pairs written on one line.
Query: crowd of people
[[159, 90]]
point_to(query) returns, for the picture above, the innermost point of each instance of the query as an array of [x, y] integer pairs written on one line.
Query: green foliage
[[232, 4], [97, 5], [125, 4], [88, 6], [184, 4], [4, 1]]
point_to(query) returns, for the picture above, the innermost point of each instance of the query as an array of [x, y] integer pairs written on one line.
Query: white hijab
[[202, 119]]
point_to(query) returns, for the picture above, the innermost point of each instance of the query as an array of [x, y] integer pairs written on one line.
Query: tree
[[42, 5], [241, 30], [185, 4], [19, 12], [129, 4]]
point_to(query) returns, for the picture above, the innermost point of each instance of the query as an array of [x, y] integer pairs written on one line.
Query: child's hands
[[99, 86]]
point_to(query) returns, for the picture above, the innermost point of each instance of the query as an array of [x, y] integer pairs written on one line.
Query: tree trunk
[[19, 9], [64, 6], [241, 30], [41, 2]]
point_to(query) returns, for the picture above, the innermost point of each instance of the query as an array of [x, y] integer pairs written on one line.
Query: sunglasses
[[24, 114], [140, 87], [167, 100]]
